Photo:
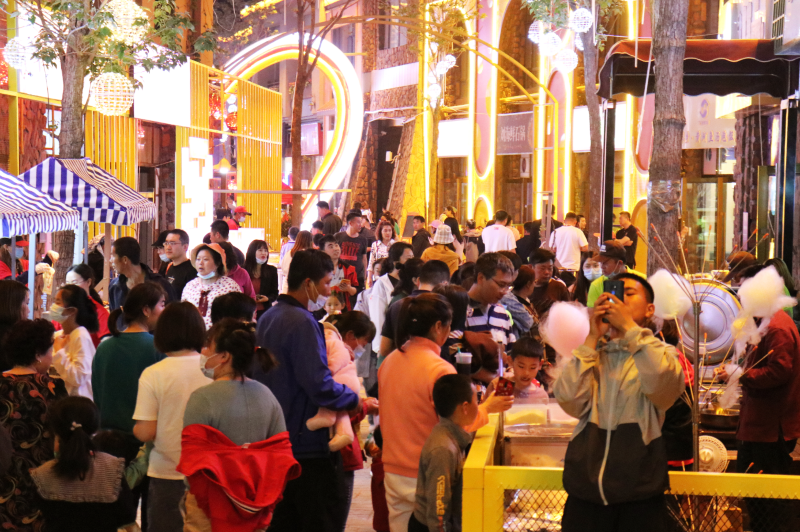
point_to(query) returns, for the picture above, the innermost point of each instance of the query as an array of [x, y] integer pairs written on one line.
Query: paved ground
[[360, 519]]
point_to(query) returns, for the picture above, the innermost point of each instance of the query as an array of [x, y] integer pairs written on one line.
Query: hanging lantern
[[550, 44], [214, 106], [126, 15], [535, 31], [581, 20], [441, 68], [566, 60], [434, 92], [17, 53], [448, 62], [112, 93], [578, 43], [232, 121]]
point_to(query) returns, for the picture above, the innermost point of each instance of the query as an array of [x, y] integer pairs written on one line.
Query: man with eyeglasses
[[546, 289], [179, 270], [494, 275]]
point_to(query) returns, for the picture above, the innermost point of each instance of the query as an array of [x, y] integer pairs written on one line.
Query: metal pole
[[31, 273], [696, 385], [13, 256], [609, 148]]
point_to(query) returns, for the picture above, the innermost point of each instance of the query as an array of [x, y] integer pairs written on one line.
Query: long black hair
[[75, 297], [74, 420], [408, 272], [419, 314], [250, 263], [355, 321], [239, 339], [452, 223], [458, 298], [87, 274], [396, 251], [141, 296]]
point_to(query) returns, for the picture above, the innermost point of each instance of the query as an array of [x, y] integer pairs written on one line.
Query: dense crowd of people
[[220, 365]]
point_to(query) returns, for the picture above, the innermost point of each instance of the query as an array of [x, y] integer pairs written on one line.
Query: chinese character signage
[[703, 129], [515, 133]]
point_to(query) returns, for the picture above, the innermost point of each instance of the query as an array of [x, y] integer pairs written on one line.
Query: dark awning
[[718, 67]]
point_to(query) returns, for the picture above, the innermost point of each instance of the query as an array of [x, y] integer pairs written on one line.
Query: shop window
[[344, 37], [391, 36]]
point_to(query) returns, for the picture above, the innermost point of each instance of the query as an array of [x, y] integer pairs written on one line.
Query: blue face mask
[[19, 252], [207, 276]]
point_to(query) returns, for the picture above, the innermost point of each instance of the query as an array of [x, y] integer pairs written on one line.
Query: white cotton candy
[[671, 300], [763, 295], [565, 327], [731, 393]]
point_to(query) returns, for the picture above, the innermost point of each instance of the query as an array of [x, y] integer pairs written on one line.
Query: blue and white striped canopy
[[97, 195], [25, 210]]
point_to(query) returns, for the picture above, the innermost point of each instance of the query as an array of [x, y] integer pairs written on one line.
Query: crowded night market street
[[399, 266]]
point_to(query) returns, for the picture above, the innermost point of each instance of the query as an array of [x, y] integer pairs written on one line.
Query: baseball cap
[[159, 243], [241, 210], [610, 250], [738, 262], [443, 235]]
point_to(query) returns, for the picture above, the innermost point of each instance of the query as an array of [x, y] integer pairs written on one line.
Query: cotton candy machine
[[719, 308], [536, 435]]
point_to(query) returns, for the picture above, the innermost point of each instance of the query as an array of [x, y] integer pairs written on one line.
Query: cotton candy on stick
[[671, 295], [565, 327]]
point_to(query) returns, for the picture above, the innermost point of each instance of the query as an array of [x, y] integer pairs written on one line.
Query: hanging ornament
[[232, 121], [535, 31], [112, 93], [214, 106], [581, 20], [578, 43], [434, 92], [17, 53], [550, 44], [125, 27], [448, 62], [566, 60]]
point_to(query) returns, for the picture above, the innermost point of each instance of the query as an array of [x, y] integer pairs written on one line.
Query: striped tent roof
[[25, 210], [97, 195]]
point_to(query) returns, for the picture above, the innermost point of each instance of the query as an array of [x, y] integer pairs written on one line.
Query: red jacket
[[236, 487], [771, 390], [352, 459]]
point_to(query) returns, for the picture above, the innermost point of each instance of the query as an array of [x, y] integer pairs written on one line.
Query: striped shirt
[[496, 320]]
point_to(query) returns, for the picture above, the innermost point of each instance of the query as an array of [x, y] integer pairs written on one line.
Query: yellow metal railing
[[486, 486]]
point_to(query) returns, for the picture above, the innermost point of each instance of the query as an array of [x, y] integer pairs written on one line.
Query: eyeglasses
[[502, 286], [172, 243]]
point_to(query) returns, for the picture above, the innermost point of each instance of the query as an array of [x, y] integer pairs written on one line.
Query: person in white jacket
[[73, 347], [383, 286]]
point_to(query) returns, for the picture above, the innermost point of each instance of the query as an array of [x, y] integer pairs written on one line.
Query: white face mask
[[207, 276], [261, 261], [57, 313], [593, 273], [206, 371], [358, 351], [163, 257]]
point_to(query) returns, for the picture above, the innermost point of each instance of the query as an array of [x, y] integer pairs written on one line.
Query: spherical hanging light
[[112, 93], [535, 31], [566, 60], [581, 20], [441, 68], [434, 92], [125, 28], [214, 106], [17, 53], [232, 121], [550, 44], [578, 43]]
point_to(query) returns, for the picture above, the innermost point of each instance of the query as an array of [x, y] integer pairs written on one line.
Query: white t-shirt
[[568, 241], [498, 238], [74, 362], [164, 390]]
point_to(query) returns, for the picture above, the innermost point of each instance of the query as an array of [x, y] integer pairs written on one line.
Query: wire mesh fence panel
[[533, 510]]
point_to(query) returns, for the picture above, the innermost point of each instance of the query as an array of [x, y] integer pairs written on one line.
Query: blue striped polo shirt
[[496, 320]]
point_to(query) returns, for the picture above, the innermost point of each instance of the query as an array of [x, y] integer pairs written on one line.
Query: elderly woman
[[211, 281], [26, 394]]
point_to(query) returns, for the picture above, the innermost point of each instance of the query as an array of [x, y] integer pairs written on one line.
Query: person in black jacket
[[125, 259], [263, 275]]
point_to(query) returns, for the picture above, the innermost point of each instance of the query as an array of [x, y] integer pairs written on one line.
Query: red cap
[[241, 210]]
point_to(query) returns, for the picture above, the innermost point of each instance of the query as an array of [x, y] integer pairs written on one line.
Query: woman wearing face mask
[[164, 389], [211, 282], [74, 349], [346, 338], [589, 271], [263, 276], [225, 415], [81, 275], [27, 393]]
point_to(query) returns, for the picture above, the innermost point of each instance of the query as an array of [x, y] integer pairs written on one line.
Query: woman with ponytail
[[82, 488], [232, 412], [121, 359], [73, 346]]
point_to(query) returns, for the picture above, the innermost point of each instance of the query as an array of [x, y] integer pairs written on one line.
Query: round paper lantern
[[112, 93], [578, 43], [566, 60], [550, 44], [535, 31], [17, 53], [434, 92], [581, 20], [232, 121], [126, 13]]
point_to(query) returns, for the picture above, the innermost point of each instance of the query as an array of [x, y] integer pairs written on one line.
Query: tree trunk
[[594, 192], [297, 158], [669, 47]]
